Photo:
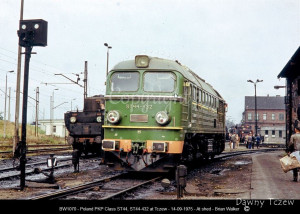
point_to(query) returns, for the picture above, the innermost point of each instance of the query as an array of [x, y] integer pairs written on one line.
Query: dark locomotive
[[85, 127]]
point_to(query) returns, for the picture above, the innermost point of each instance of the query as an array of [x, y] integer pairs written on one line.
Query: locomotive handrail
[[142, 127]]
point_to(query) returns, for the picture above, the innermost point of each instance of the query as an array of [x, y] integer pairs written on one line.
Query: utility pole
[[8, 116], [17, 109], [4, 132], [37, 112], [85, 80], [51, 113]]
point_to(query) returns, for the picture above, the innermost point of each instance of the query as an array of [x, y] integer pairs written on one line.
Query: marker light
[[162, 118], [99, 119], [142, 61], [72, 119], [113, 116]]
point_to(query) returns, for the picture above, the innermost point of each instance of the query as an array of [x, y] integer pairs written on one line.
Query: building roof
[[265, 102], [292, 68]]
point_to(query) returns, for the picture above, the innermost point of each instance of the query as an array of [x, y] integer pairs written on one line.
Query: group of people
[[249, 139], [252, 140]]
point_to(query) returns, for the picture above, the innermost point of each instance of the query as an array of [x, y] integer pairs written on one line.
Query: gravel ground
[[226, 179]]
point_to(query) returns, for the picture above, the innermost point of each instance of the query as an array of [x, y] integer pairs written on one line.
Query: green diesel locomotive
[[159, 114]]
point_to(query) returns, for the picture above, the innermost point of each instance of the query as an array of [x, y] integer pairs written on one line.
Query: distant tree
[[1, 117]]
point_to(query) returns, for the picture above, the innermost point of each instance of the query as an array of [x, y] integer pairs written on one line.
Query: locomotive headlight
[[162, 118], [99, 119], [113, 116], [72, 119], [142, 61]]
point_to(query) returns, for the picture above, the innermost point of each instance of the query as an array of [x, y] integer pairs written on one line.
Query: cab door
[[187, 104]]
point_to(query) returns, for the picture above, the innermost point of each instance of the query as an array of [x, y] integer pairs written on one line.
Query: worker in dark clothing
[[258, 140], [293, 146]]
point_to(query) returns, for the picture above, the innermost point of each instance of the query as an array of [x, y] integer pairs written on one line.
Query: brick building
[[270, 117], [291, 72]]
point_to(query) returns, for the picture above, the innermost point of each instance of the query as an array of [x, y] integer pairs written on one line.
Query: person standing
[[294, 145], [249, 141], [233, 139], [253, 141], [230, 142], [258, 140], [237, 141]]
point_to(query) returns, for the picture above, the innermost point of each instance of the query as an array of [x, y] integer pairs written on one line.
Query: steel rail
[[236, 153], [130, 189], [74, 190]]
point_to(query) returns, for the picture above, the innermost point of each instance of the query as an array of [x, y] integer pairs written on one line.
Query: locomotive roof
[[165, 64]]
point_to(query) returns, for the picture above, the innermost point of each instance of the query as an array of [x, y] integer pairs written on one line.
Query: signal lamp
[[33, 32]]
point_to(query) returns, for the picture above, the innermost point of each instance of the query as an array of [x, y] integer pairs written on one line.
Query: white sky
[[226, 42]]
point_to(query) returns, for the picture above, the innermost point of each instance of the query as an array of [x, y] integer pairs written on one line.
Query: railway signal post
[[31, 33]]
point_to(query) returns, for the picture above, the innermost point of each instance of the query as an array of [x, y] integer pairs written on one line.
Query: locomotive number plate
[[141, 118]]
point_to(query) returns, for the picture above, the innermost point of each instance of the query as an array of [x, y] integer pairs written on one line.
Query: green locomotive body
[[160, 113]]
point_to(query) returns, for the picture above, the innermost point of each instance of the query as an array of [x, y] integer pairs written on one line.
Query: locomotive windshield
[[159, 81], [125, 81]]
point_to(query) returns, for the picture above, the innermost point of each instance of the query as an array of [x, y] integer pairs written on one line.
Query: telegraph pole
[[37, 112], [17, 110], [85, 80], [8, 116]]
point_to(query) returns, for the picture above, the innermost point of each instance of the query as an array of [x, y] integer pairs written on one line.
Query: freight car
[[85, 127], [158, 114]]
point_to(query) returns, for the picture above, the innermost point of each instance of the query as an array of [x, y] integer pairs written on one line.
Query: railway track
[[248, 151], [13, 172], [103, 189], [118, 185], [36, 149]]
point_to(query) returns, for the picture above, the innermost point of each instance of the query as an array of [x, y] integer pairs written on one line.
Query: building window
[[266, 132], [273, 116], [249, 116], [273, 133], [281, 116], [265, 116], [257, 116], [54, 129], [200, 96], [280, 133]]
